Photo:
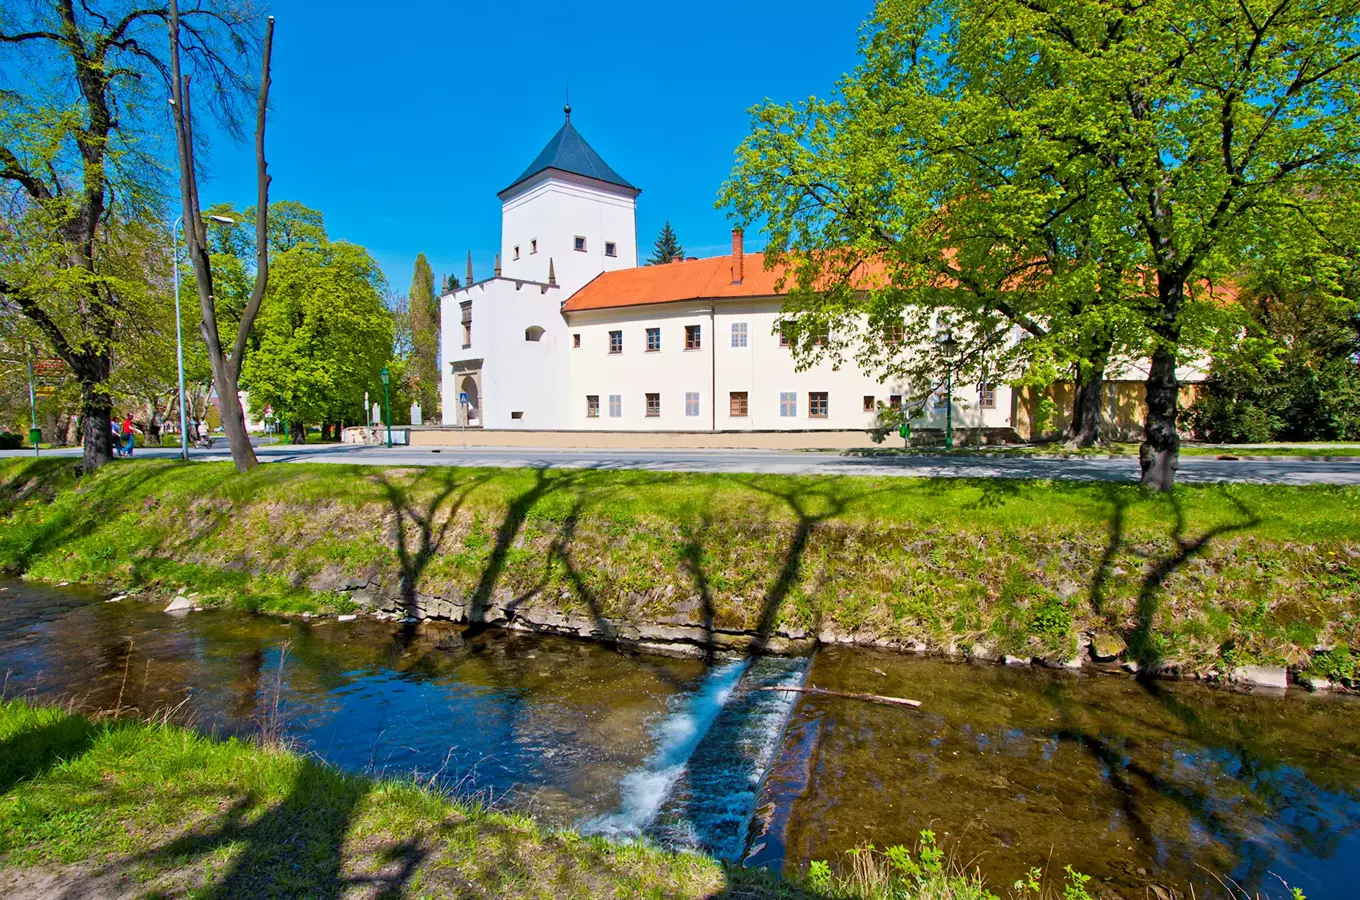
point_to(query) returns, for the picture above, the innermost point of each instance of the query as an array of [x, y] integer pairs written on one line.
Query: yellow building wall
[[1125, 408]]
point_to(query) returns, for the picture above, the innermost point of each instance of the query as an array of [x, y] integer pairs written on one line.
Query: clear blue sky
[[401, 121]]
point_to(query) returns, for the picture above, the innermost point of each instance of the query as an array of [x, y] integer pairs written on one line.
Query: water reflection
[[1163, 783]]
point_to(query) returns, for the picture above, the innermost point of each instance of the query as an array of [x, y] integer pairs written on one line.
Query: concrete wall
[[762, 368], [553, 209]]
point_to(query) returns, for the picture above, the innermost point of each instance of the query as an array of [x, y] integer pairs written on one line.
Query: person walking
[[129, 435], [117, 437]]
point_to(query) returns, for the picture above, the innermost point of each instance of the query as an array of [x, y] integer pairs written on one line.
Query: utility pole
[[387, 405], [34, 434]]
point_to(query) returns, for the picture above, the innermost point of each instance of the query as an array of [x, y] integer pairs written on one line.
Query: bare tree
[[226, 367]]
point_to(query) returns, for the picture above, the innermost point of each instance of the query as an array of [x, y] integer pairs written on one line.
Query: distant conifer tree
[[667, 247]]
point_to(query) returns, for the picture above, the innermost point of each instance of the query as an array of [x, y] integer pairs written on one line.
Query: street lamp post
[[387, 405], [179, 333], [33, 433], [948, 345]]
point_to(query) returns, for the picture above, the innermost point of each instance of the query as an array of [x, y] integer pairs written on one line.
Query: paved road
[[1194, 469]]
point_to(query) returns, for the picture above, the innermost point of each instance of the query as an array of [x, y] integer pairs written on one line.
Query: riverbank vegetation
[[1203, 578], [98, 806]]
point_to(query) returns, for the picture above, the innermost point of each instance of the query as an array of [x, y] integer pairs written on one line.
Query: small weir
[[698, 789]]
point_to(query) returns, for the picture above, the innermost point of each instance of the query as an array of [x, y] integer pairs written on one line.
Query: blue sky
[[401, 122]]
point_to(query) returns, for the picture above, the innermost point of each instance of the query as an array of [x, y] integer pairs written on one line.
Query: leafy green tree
[[323, 337], [424, 360], [1085, 171], [78, 121], [667, 247]]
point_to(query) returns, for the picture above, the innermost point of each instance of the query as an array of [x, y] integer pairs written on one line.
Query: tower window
[[576, 340], [610, 249], [579, 243], [517, 251], [533, 246]]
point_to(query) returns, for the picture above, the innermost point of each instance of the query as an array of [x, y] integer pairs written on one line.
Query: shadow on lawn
[[33, 752]]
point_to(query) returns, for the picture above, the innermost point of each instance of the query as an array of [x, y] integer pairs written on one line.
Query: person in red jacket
[[129, 435]]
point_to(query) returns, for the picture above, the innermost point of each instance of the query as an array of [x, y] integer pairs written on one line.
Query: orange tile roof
[[696, 279]]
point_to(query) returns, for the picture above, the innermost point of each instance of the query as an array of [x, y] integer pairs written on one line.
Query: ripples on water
[[1137, 784]]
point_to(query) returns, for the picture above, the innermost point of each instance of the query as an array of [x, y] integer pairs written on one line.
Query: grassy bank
[[117, 807], [1205, 577]]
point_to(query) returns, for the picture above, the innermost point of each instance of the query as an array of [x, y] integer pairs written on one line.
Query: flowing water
[[1149, 787]]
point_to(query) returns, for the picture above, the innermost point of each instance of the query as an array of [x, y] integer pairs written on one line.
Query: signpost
[[387, 405], [34, 435], [463, 402]]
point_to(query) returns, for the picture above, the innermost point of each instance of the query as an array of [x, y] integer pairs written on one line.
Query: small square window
[[895, 401], [817, 404], [615, 405], [868, 403], [616, 342], [517, 414], [653, 405], [692, 339], [653, 340], [820, 336], [987, 396], [533, 246], [592, 406], [691, 403], [737, 404], [784, 330], [610, 249], [517, 251], [788, 404], [579, 243], [576, 340], [894, 334], [738, 334]]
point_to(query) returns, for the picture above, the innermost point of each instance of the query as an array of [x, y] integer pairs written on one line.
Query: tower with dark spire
[[571, 206]]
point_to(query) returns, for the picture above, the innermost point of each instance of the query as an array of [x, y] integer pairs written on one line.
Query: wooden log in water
[[872, 698]]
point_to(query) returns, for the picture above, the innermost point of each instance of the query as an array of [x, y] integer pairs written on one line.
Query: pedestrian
[[117, 437], [129, 435]]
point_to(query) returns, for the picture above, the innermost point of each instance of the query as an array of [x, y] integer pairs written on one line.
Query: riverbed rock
[[983, 652], [1261, 676], [450, 643], [180, 604], [364, 597], [1316, 683], [347, 617], [1015, 660], [1106, 647]]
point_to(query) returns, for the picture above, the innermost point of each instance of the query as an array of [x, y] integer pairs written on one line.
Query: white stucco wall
[[553, 209], [763, 369]]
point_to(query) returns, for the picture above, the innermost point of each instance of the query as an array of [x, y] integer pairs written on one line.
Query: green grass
[[1119, 449], [1205, 576], [179, 814]]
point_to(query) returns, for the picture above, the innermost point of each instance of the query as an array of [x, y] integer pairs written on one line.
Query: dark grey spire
[[569, 152]]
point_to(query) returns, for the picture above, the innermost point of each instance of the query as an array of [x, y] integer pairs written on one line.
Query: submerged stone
[[1107, 647]]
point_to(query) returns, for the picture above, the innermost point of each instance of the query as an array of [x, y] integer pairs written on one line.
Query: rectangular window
[[576, 340], [738, 334], [868, 403], [895, 401], [692, 337], [615, 405], [940, 399], [653, 340], [817, 404], [616, 342], [737, 404], [784, 330], [788, 404], [987, 396], [592, 406], [579, 243], [533, 246], [653, 404], [894, 334], [820, 336], [517, 251], [691, 403], [517, 414], [466, 308], [610, 249]]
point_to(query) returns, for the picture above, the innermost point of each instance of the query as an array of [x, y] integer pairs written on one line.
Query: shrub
[[10, 441]]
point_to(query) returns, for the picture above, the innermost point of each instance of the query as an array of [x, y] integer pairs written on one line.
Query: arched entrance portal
[[472, 413]]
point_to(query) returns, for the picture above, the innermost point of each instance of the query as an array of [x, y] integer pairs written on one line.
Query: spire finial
[[468, 283], [552, 275], [567, 108], [497, 269]]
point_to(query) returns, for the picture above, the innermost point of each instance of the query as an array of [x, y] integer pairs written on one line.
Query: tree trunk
[[297, 433], [1159, 454], [96, 411], [1084, 430], [234, 424]]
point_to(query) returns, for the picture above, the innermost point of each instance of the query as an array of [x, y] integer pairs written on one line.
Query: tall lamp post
[[387, 405], [179, 334], [34, 435], [949, 346]]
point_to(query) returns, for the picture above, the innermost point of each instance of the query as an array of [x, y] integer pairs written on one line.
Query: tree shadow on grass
[[33, 752]]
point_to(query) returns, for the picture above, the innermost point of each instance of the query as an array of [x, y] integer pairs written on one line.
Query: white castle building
[[570, 333]]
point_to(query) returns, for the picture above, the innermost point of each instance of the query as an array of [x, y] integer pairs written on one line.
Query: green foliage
[[1336, 664], [322, 337], [423, 369], [667, 247], [10, 441]]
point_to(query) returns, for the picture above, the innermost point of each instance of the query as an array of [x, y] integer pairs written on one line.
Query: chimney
[[738, 257], [676, 259]]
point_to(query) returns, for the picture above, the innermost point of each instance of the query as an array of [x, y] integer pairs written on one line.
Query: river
[[1149, 787]]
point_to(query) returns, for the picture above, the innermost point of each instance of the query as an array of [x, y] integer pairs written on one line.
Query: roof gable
[[569, 152]]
